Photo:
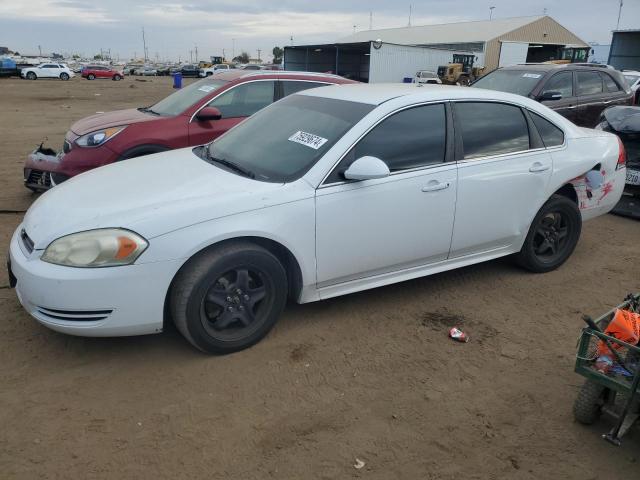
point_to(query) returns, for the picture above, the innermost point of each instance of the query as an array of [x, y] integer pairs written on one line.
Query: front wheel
[[587, 407], [64, 76], [117, 77], [91, 76], [31, 75], [552, 237], [228, 298]]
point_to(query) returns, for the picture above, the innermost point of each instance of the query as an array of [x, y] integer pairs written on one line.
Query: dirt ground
[[370, 376]]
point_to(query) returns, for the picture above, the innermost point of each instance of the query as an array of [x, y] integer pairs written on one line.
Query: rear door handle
[[434, 186], [539, 167]]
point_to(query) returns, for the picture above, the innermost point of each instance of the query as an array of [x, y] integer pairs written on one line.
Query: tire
[[117, 78], [91, 76], [552, 237], [209, 74], [587, 407], [64, 76], [220, 310], [31, 76]]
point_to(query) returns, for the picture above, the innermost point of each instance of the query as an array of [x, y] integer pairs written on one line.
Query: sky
[[174, 28]]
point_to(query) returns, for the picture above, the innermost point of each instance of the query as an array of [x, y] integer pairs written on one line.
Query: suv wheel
[[91, 76]]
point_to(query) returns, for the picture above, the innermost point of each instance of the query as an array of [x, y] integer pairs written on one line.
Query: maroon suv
[[91, 72], [194, 115]]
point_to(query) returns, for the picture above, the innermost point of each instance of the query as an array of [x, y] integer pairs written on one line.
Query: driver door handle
[[434, 186], [539, 167]]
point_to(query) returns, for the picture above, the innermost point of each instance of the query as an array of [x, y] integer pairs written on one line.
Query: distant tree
[[277, 55], [97, 57], [242, 58], [16, 54], [75, 56]]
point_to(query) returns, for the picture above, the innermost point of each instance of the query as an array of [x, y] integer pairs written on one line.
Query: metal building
[[625, 50], [497, 42]]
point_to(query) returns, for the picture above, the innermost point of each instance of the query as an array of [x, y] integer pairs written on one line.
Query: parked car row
[[325, 192]]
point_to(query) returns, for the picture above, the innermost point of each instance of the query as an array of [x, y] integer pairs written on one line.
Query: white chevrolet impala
[[326, 192]]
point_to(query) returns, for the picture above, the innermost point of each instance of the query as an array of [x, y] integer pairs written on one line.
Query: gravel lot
[[371, 376]]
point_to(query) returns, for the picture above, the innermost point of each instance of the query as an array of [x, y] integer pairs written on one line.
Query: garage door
[[512, 53]]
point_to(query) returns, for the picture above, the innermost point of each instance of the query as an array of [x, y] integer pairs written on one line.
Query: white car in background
[[326, 192], [633, 79], [47, 70], [428, 77], [221, 67]]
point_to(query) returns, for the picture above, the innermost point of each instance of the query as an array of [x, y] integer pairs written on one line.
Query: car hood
[[110, 119], [150, 195]]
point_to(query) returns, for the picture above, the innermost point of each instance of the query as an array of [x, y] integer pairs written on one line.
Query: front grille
[[74, 315], [66, 146], [38, 178], [26, 241]]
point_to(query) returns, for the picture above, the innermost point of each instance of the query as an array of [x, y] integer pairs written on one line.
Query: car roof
[[546, 67], [235, 74], [378, 93]]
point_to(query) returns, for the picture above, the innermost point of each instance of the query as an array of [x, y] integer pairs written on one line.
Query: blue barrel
[[177, 80], [407, 80]]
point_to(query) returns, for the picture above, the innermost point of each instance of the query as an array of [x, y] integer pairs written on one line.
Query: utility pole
[[144, 45], [40, 47], [190, 56], [259, 54], [619, 13], [370, 20], [491, 13], [196, 47], [410, 11], [224, 57]]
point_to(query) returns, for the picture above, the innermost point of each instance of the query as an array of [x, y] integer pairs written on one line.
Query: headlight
[[108, 247], [95, 139]]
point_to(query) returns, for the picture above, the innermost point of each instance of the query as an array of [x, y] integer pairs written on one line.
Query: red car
[[194, 115], [91, 72]]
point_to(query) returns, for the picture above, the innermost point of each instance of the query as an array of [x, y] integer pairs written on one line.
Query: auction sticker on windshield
[[308, 139], [207, 88], [531, 75]]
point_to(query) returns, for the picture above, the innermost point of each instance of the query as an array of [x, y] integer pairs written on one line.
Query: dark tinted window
[[512, 81], [589, 83], [245, 99], [491, 129], [411, 138], [609, 83], [560, 82], [551, 135], [290, 86]]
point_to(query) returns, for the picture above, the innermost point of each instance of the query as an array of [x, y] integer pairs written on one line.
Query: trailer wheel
[[588, 405]]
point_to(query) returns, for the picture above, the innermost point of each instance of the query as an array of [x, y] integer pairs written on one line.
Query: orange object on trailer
[[624, 326]]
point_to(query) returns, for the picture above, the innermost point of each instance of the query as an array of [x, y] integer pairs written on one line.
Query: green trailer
[[612, 390]]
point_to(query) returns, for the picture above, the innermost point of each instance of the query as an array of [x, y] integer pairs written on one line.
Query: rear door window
[[560, 82], [589, 83], [489, 129], [290, 87], [551, 135], [609, 83]]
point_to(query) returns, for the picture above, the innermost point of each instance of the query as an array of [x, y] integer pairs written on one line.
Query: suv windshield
[[281, 142], [179, 101], [520, 82]]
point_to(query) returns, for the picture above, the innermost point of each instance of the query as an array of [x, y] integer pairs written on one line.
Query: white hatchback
[[47, 70], [326, 192]]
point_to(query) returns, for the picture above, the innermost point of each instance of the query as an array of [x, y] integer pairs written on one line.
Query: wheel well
[[282, 253], [141, 150], [568, 191]]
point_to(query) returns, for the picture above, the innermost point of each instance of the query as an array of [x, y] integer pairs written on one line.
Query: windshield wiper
[[147, 110], [233, 166]]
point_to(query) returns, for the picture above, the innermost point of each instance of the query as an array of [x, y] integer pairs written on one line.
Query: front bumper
[[92, 302]]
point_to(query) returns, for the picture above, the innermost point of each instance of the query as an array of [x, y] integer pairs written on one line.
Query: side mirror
[[550, 95], [209, 113], [367, 168]]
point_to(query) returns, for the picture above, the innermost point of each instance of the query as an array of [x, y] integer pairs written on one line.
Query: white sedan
[[47, 70], [326, 192]]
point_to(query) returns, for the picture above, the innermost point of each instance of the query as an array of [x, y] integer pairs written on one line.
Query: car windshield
[[520, 82], [281, 142], [632, 78], [179, 101]]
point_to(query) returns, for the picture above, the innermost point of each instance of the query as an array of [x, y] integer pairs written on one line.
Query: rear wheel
[[552, 237], [64, 76], [91, 76], [228, 298], [31, 75]]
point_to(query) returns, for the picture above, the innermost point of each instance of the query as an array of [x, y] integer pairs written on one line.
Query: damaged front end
[[41, 168]]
